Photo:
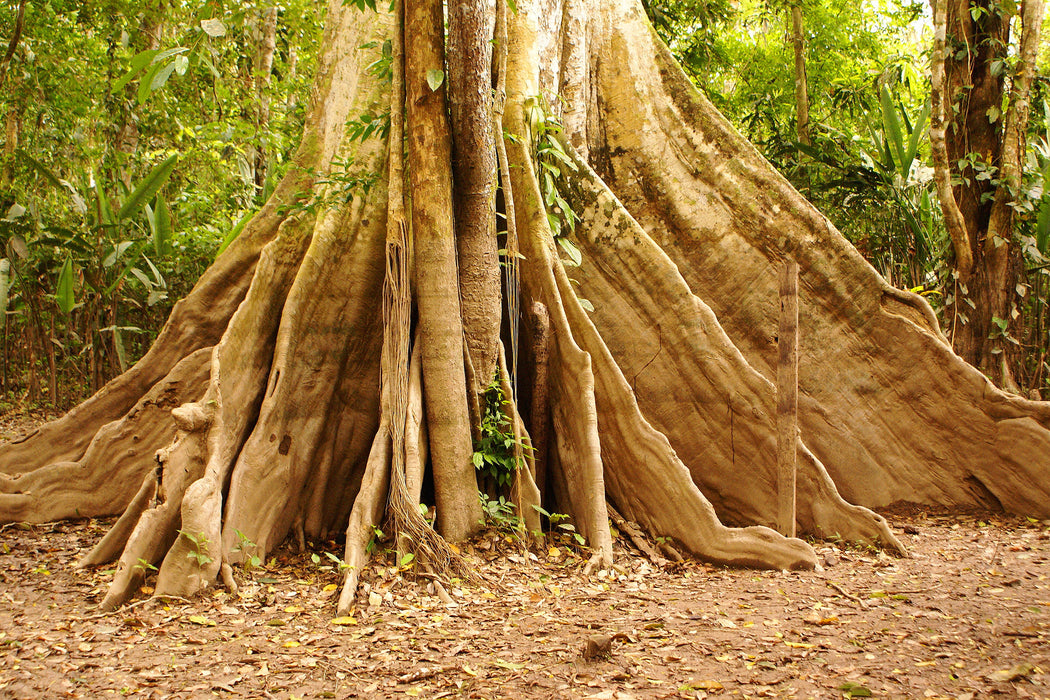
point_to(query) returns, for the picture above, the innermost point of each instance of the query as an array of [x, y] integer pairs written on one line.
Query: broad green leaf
[[5, 284], [570, 249], [106, 217], [118, 250], [40, 168], [169, 53], [181, 64], [892, 126], [118, 345], [138, 62], [147, 188], [234, 232], [146, 82], [64, 288], [435, 77], [161, 76], [162, 228], [915, 137]]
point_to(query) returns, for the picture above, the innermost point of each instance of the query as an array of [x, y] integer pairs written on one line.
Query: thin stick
[[787, 399]]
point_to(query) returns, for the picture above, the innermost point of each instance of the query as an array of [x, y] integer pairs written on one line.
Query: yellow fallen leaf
[[925, 663], [330, 587], [346, 620], [201, 620], [294, 609], [799, 645], [291, 644]]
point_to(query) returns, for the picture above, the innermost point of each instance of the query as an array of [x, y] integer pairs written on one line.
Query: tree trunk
[[652, 389], [262, 69], [977, 131], [798, 43]]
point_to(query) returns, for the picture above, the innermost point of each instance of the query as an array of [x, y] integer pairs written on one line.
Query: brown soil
[[967, 616]]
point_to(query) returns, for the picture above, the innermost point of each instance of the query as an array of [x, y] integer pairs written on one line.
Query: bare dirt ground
[[967, 616]]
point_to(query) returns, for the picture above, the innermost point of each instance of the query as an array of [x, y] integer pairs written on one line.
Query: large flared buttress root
[[681, 365], [575, 449], [884, 404], [103, 480]]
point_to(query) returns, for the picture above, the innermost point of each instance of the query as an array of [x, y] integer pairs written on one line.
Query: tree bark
[[977, 130], [470, 30], [798, 43], [436, 274]]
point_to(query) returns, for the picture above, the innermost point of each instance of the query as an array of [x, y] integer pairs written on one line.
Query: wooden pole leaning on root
[[787, 398]]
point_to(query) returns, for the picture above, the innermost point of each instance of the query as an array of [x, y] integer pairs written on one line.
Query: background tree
[[981, 103]]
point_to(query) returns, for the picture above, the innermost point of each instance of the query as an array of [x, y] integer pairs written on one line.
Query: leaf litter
[[967, 616]]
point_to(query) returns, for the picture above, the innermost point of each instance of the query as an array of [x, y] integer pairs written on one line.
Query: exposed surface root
[[104, 480]]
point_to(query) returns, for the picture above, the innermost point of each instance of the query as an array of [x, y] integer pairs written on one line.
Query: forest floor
[[966, 616]]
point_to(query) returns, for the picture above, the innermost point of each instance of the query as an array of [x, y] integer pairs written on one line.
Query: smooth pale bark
[[470, 30], [436, 275]]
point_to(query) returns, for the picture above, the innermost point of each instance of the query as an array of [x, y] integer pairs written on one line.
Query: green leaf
[[39, 167], [64, 288], [118, 345], [161, 76], [234, 232], [162, 229], [915, 137], [571, 250], [147, 188], [146, 82], [892, 126], [138, 62], [435, 77], [5, 284], [855, 690], [213, 27], [105, 210]]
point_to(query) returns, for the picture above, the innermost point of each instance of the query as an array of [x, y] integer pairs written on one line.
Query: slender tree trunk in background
[[975, 87], [12, 44], [798, 43], [263, 68], [12, 130]]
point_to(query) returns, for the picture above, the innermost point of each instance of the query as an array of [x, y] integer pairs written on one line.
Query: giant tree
[[325, 364]]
